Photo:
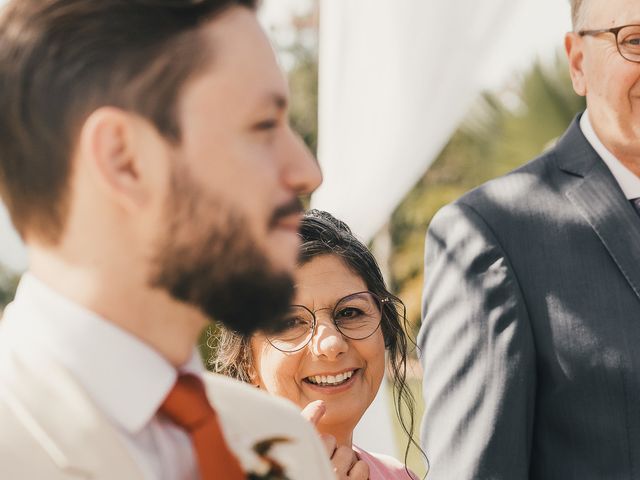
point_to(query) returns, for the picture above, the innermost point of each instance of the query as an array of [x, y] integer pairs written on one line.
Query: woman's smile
[[332, 384]]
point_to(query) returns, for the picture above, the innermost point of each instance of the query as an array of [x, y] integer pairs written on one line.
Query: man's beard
[[208, 258]]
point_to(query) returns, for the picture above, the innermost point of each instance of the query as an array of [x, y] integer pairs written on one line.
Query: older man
[[531, 334], [147, 161]]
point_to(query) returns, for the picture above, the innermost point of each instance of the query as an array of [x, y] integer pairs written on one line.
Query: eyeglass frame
[[615, 31], [382, 301]]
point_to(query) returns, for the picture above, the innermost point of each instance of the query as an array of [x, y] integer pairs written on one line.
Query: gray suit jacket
[[531, 325]]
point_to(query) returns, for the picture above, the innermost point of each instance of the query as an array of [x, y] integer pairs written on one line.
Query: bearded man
[[147, 161]]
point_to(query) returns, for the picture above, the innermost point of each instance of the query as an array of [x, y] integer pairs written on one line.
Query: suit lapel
[[600, 201], [58, 414]]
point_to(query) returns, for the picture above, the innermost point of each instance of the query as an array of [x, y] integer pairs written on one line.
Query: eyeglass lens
[[355, 316], [629, 42]]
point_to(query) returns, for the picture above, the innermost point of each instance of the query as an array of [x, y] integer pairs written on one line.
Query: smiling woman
[[332, 345]]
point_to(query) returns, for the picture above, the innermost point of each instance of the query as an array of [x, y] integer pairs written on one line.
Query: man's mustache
[[294, 207]]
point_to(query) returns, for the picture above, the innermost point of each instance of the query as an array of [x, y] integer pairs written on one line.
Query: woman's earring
[[253, 377]]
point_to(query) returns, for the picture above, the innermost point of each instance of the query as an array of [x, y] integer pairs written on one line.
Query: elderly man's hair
[[62, 59], [577, 12]]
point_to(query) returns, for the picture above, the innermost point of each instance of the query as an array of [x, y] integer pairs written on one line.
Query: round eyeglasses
[[356, 316], [627, 40]]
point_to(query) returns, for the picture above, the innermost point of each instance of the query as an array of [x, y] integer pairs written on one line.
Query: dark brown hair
[[323, 234], [62, 59]]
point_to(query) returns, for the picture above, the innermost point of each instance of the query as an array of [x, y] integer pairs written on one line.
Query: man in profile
[[532, 290], [147, 161]]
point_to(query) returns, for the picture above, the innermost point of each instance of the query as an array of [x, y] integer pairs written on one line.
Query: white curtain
[[396, 77]]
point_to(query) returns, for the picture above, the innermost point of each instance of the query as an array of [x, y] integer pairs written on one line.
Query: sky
[[536, 31]]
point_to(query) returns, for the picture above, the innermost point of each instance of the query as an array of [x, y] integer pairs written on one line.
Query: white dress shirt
[[127, 379], [628, 181]]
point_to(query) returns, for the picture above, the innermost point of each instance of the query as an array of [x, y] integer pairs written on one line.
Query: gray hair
[[578, 11]]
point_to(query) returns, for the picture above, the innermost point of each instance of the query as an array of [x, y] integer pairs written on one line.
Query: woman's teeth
[[325, 380]]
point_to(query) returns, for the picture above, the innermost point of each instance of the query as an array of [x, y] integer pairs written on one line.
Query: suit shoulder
[[532, 193], [515, 186], [520, 199], [21, 455]]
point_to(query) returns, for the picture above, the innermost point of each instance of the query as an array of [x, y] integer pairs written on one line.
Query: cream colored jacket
[[49, 429]]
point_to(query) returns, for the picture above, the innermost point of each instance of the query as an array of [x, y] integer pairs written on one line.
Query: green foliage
[[8, 285], [303, 82], [501, 132], [303, 77]]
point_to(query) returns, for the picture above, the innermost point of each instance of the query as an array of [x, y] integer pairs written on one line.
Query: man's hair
[[577, 12], [60, 60]]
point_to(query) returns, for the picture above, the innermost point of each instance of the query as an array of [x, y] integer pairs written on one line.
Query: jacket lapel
[[58, 414], [600, 201]]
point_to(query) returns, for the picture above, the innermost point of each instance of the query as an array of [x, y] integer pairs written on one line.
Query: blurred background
[[408, 104]]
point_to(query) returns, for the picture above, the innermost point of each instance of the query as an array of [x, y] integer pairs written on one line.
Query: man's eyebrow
[[280, 101]]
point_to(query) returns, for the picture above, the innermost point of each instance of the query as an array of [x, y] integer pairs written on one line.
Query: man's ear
[[111, 150], [574, 46]]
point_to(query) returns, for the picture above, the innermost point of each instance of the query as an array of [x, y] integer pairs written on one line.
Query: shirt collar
[[127, 379], [628, 181]]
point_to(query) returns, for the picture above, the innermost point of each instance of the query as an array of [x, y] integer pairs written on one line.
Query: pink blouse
[[384, 467]]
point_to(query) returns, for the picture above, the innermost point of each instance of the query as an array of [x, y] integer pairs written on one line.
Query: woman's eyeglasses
[[356, 316]]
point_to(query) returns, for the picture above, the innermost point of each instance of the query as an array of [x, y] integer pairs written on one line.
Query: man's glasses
[[627, 40], [356, 316]]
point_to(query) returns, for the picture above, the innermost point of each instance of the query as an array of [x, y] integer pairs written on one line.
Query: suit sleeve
[[477, 352]]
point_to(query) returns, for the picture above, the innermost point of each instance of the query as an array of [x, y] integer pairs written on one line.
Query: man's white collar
[[628, 181], [124, 376]]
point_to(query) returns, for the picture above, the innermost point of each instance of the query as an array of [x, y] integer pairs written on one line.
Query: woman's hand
[[346, 464]]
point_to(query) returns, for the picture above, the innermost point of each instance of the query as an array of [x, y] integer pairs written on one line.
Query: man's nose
[[301, 172]]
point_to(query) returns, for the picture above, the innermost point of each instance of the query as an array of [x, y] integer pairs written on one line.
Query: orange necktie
[[188, 407]]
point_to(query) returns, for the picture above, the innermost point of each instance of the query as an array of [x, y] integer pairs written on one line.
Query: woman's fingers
[[330, 443], [314, 411], [359, 471], [346, 464], [344, 460]]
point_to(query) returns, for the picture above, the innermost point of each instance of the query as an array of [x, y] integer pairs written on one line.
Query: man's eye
[[267, 125]]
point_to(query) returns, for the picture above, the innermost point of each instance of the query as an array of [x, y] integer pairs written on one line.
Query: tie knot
[[187, 404]]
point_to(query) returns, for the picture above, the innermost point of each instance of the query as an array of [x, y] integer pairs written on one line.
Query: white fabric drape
[[396, 77]]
